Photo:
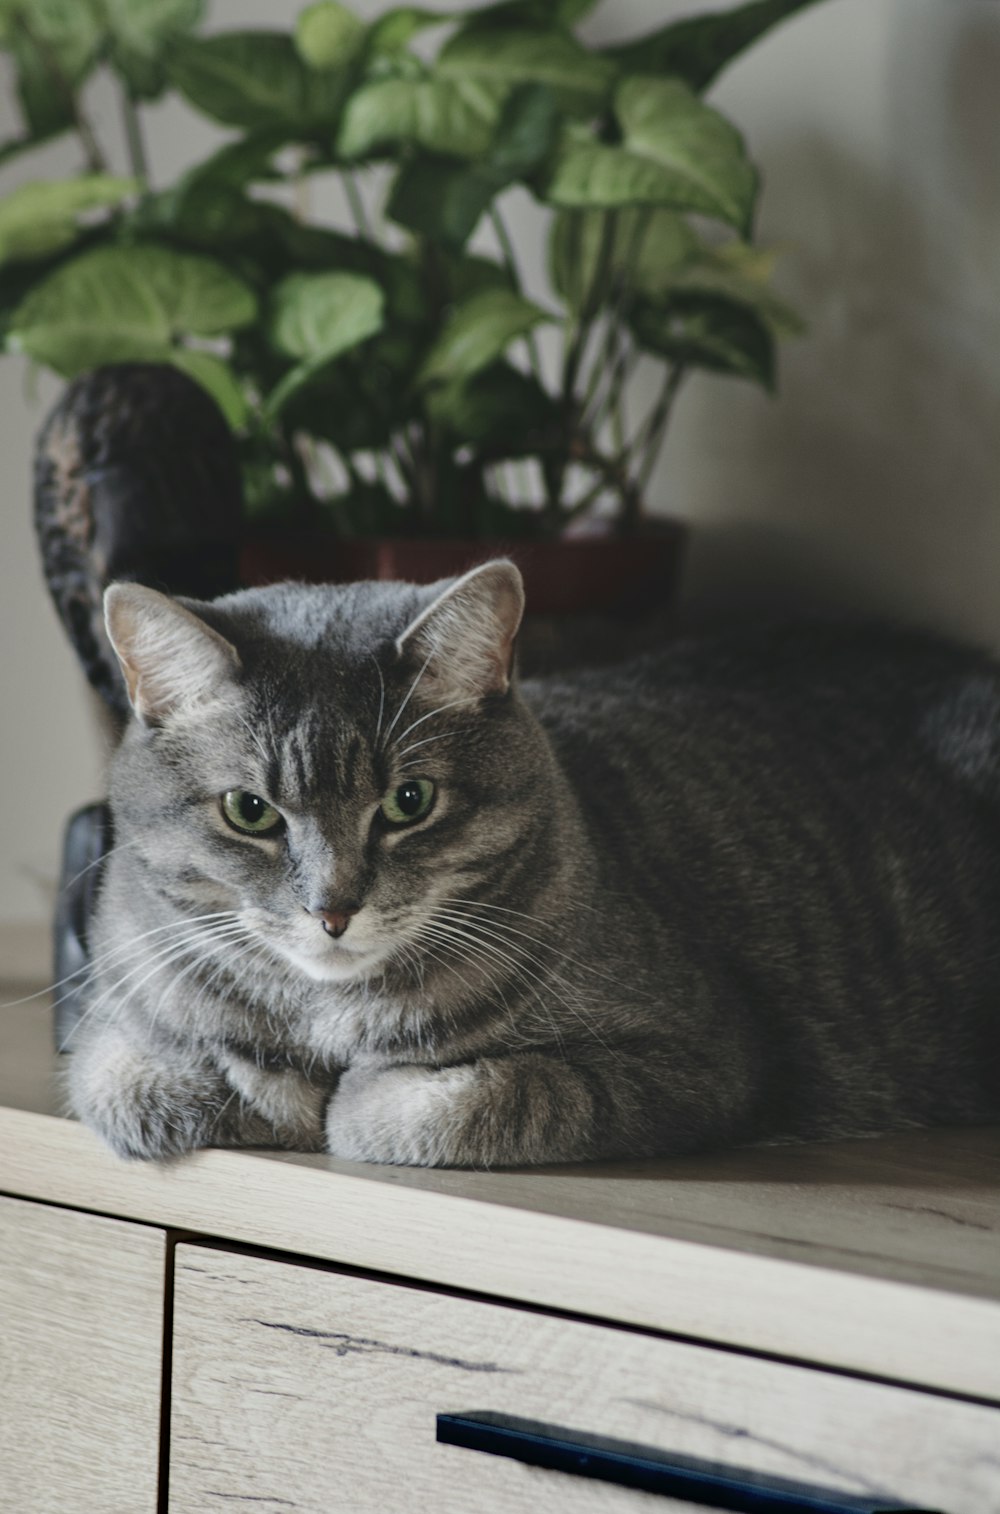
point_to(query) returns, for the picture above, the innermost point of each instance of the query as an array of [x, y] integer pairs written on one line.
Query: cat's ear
[[168, 656], [464, 640]]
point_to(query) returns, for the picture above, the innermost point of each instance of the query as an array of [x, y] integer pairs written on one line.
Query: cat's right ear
[[168, 656]]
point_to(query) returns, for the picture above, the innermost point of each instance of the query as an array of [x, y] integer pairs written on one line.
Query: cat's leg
[[292, 1106], [495, 1111], [146, 1099]]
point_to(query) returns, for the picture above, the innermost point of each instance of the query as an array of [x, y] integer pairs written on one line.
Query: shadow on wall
[[873, 483]]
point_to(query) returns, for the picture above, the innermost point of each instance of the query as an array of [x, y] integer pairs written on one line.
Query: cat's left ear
[[169, 657], [465, 637]]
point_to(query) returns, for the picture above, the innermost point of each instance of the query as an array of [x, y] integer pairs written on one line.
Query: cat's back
[[810, 817], [852, 700]]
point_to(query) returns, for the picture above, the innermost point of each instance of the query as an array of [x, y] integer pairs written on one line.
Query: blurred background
[[871, 484]]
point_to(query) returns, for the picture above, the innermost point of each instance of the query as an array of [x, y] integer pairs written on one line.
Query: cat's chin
[[338, 966]]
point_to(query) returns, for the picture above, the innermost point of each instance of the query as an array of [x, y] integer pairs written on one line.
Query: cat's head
[[335, 766]]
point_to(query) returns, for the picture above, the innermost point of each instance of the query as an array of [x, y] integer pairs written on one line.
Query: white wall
[[871, 482]]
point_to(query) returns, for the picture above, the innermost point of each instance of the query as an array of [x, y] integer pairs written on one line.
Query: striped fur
[[745, 889]]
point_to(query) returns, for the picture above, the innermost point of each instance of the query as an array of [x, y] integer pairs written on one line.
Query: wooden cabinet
[[81, 1340], [297, 1383], [829, 1314]]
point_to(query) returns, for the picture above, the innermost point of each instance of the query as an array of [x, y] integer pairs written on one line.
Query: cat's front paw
[[142, 1103], [406, 1115], [292, 1106]]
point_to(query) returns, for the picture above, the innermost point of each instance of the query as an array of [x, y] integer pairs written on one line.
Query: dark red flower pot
[[630, 576]]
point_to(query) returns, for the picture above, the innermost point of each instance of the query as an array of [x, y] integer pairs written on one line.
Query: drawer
[[81, 1343], [297, 1386]]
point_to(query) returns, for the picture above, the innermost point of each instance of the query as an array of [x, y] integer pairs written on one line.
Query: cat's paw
[[141, 1103], [292, 1106], [413, 1116]]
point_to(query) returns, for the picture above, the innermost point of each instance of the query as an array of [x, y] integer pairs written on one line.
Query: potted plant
[[385, 383]]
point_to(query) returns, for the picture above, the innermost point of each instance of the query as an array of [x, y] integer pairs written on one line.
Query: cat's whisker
[[174, 949], [199, 959], [121, 846], [409, 695], [226, 936], [465, 954], [546, 982], [426, 740], [449, 705], [486, 953], [259, 747], [175, 953], [107, 959], [586, 967], [381, 699], [443, 944]]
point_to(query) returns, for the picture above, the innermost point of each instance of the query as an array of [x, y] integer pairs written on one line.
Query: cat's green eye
[[409, 802], [250, 813]]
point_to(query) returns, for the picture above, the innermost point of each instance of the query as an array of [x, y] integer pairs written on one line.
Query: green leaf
[[91, 311], [40, 218], [397, 27], [319, 315], [580, 80], [698, 48], [119, 304], [328, 35], [526, 133], [440, 199], [46, 108], [456, 117], [213, 217], [316, 317], [477, 333], [54, 44], [466, 275], [443, 199], [145, 26], [499, 408], [68, 31], [218, 379], [248, 158], [139, 30], [357, 401], [705, 331], [255, 79], [675, 152], [199, 294], [645, 247], [739, 274]]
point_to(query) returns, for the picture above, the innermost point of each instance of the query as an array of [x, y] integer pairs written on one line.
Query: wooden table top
[[879, 1256]]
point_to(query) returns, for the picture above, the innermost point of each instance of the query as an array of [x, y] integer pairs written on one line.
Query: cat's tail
[[137, 477]]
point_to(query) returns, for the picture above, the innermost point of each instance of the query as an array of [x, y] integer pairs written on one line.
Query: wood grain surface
[[878, 1256], [81, 1327], [298, 1388]]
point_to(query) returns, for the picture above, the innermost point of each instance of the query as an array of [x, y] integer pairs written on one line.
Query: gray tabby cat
[[372, 897]]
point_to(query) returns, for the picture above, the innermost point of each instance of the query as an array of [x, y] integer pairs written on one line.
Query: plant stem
[[613, 473], [611, 375], [357, 204], [510, 262], [96, 161], [134, 139], [649, 439]]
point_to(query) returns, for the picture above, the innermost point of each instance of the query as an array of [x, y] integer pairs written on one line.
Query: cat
[[373, 896]]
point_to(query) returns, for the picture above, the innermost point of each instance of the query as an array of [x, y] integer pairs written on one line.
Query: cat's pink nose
[[336, 921]]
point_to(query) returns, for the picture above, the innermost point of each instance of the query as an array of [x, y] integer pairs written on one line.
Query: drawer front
[[296, 1386], [81, 1341]]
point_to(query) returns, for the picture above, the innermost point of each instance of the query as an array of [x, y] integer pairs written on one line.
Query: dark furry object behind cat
[[371, 896]]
